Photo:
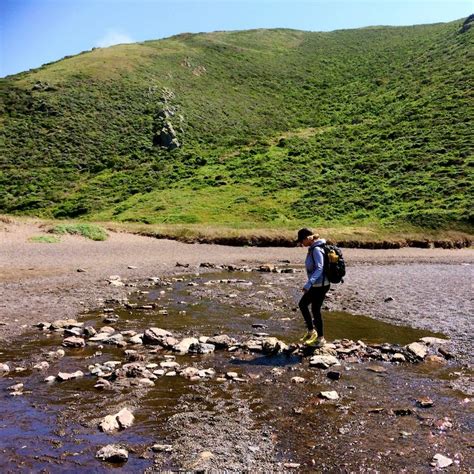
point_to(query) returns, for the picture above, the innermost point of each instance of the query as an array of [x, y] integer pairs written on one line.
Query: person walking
[[315, 289]]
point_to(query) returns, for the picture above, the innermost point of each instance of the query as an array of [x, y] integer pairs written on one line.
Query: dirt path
[[41, 281]]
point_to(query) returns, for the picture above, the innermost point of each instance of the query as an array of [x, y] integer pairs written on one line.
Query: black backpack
[[334, 265]]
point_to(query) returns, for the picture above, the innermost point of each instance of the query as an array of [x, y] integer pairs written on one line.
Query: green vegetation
[[45, 239], [278, 128], [89, 231]]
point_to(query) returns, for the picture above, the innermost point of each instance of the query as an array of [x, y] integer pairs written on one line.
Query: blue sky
[[33, 32]]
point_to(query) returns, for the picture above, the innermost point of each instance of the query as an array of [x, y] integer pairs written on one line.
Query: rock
[[183, 346], [4, 368], [89, 331], [291, 465], [202, 348], [435, 359], [65, 324], [102, 384], [138, 339], [50, 379], [73, 332], [333, 375], [144, 382], [63, 376], [388, 299], [109, 424], [81, 270], [107, 330], [298, 380], [100, 337], [169, 365], [116, 283], [402, 411], [232, 375], [440, 461], [41, 366], [323, 361], [162, 448], [16, 388], [446, 354], [155, 336], [222, 341], [111, 319], [434, 340], [417, 349], [377, 369], [44, 326], [189, 372], [331, 395], [74, 341], [125, 418], [272, 345], [397, 357], [112, 453], [424, 402]]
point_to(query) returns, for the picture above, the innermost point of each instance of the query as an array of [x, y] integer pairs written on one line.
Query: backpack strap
[[322, 247]]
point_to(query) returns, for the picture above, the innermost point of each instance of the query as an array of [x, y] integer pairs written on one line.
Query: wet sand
[[41, 281]]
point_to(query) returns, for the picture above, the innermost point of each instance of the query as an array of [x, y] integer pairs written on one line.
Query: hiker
[[315, 289]]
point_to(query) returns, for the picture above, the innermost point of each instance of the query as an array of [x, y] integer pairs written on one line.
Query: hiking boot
[[308, 335], [320, 341], [312, 340]]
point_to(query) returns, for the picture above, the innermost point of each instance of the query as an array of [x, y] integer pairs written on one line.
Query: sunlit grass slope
[[277, 128]]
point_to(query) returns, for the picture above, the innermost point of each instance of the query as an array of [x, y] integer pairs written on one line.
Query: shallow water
[[55, 426]]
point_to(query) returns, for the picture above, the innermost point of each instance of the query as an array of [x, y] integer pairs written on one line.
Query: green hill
[[267, 128]]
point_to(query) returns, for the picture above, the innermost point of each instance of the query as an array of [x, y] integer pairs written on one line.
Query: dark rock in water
[[402, 411], [112, 453], [333, 375], [446, 353]]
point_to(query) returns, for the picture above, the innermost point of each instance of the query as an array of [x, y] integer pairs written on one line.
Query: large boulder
[[155, 336], [183, 346]]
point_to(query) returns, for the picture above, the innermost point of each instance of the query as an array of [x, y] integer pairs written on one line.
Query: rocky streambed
[[203, 372]]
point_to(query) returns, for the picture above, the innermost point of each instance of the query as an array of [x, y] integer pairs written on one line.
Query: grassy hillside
[[276, 128]]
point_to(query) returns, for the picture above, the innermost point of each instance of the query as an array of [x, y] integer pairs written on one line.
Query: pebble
[[232, 375], [331, 395], [440, 461], [16, 388], [297, 380], [160, 448], [41, 366]]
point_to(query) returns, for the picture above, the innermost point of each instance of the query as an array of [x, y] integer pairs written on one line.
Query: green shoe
[[308, 335], [312, 340], [320, 341]]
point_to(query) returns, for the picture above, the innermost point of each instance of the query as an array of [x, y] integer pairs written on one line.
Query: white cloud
[[113, 37]]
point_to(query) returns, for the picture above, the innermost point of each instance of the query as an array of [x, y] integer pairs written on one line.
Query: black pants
[[314, 297]]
